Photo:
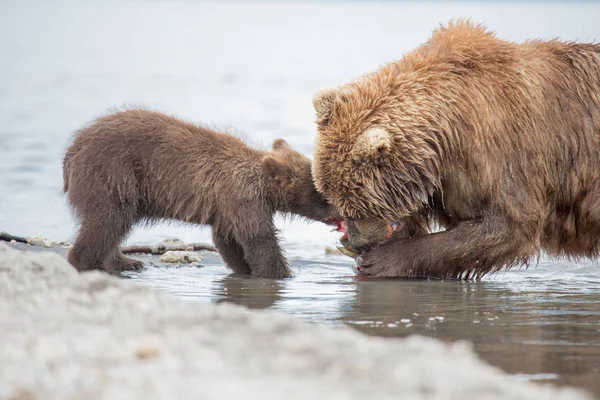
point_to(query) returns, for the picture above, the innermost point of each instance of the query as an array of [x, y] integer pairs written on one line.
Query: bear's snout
[[365, 233]]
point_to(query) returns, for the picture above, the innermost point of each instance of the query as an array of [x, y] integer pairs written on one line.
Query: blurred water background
[[252, 68]]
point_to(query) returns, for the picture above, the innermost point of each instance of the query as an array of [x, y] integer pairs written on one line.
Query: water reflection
[[245, 291], [540, 333], [522, 321]]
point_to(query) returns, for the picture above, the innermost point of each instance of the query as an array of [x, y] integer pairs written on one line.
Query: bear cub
[[143, 166]]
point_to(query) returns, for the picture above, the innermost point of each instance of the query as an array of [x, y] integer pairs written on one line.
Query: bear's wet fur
[[140, 166], [496, 142]]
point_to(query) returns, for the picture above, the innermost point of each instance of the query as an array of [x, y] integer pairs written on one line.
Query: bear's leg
[[98, 239], [263, 252], [470, 249], [91, 247], [232, 253], [121, 262]]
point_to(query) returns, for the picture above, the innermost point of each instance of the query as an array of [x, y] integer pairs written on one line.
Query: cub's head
[[290, 172], [374, 157]]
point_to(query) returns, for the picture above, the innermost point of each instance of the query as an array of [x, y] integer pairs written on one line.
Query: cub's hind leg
[[99, 238]]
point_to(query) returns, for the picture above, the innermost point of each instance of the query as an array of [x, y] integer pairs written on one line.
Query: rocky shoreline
[[94, 336]]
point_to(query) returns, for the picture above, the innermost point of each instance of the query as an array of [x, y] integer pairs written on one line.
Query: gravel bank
[[92, 336]]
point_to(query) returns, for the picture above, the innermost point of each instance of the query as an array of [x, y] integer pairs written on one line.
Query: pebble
[[187, 257], [148, 348], [42, 241]]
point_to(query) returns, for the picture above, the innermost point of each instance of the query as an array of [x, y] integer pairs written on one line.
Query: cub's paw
[[124, 263]]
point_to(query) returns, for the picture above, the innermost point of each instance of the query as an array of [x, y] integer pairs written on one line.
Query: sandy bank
[[65, 335]]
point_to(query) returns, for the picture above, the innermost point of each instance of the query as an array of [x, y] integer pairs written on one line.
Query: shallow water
[[541, 324], [253, 68]]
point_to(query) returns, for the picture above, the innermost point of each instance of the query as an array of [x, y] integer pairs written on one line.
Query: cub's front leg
[[231, 252], [262, 250]]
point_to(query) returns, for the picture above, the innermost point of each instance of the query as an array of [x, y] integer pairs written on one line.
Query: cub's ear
[[323, 100], [373, 143], [281, 145], [275, 168]]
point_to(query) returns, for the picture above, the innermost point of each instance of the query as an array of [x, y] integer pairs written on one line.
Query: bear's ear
[[323, 100], [373, 143], [281, 145], [275, 168]]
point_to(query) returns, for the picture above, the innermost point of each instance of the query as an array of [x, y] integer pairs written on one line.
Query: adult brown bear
[[495, 141]]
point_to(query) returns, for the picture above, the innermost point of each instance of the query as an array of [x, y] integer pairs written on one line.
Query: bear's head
[[375, 158], [291, 175]]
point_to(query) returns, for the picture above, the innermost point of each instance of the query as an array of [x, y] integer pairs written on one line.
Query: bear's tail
[[66, 170]]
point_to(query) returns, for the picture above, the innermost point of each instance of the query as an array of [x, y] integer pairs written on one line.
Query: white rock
[[172, 242], [42, 241], [185, 257]]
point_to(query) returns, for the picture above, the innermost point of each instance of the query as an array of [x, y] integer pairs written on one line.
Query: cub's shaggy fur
[[142, 166], [498, 142]]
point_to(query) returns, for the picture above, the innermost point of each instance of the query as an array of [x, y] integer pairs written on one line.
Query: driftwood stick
[[8, 237], [162, 248]]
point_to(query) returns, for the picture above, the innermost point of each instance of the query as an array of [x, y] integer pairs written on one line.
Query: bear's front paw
[[381, 262]]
